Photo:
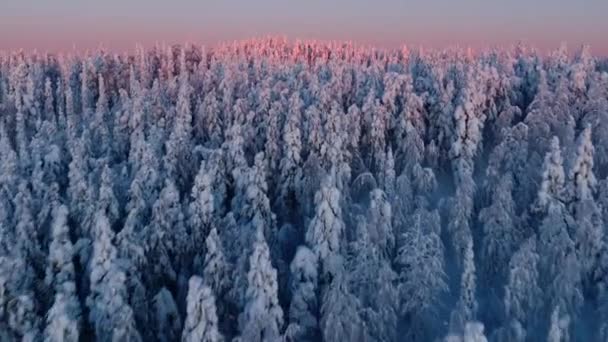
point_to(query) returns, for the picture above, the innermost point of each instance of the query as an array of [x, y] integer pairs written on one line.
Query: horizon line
[[431, 47]]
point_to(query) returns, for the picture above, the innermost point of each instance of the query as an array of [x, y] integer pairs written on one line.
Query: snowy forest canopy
[[274, 191]]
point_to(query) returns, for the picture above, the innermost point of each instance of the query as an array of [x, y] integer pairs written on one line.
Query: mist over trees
[[268, 190]]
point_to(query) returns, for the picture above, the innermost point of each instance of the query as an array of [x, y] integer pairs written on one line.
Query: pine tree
[[49, 101], [216, 270], [101, 139], [303, 320], [501, 233], [313, 129], [553, 177], [291, 163], [589, 235], [109, 311], [559, 325], [473, 332], [326, 228], [120, 126], [373, 282], [107, 201], [583, 179], [389, 178], [209, 122], [380, 226], [166, 235], [253, 213], [559, 262], [78, 188], [522, 292], [340, 319], [18, 318], [63, 318], [178, 159], [466, 307], [420, 259], [273, 135], [262, 318], [201, 320], [27, 237], [167, 320], [201, 208]]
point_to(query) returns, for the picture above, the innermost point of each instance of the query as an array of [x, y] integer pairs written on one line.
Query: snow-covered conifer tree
[[262, 318], [380, 223], [109, 311], [49, 101], [582, 184], [201, 321], [178, 159], [340, 319], [201, 209], [216, 270], [523, 296], [303, 320], [101, 139], [167, 320], [420, 259], [373, 282], [107, 201], [559, 326], [326, 228], [291, 163], [466, 308], [166, 235], [553, 177], [63, 318], [560, 274], [501, 233]]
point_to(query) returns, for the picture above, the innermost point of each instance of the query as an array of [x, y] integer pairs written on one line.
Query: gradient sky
[[120, 24]]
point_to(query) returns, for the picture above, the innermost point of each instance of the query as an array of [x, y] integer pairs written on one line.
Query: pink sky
[[119, 25]]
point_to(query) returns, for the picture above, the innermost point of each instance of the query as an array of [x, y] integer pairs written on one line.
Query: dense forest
[[268, 190]]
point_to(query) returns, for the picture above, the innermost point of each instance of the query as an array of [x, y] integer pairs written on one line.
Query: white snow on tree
[[318, 179], [340, 320], [291, 163], [304, 306], [523, 296], [100, 136], [253, 214], [18, 320], [582, 176], [421, 263], [63, 318], [473, 332], [106, 200], [561, 276], [167, 234], [201, 320], [582, 183], [178, 159], [109, 312], [553, 177], [466, 307], [390, 175], [262, 318], [216, 270], [201, 209], [167, 319], [380, 226], [559, 327], [373, 282], [326, 228], [501, 231]]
